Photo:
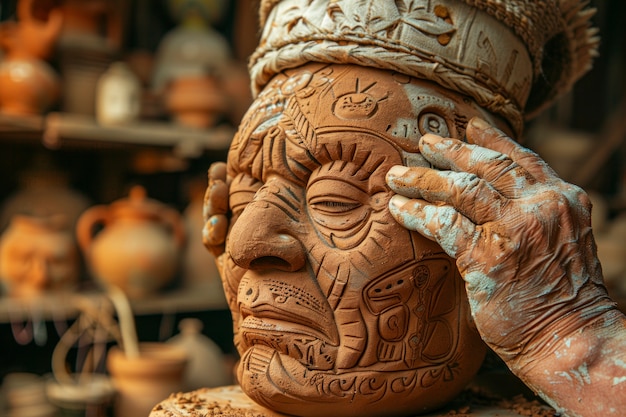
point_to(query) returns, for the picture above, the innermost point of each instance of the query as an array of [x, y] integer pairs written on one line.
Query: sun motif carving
[[357, 104]]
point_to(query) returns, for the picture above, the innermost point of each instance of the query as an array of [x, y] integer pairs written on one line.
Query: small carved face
[[35, 258], [338, 309]]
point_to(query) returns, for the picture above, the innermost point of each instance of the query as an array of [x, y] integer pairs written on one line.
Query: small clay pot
[[27, 87], [142, 382], [207, 365], [196, 101], [90, 395]]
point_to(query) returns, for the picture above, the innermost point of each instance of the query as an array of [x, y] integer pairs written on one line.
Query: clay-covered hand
[[215, 210], [523, 243]]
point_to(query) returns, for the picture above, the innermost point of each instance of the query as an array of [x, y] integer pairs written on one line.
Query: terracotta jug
[[28, 84], [139, 246], [37, 254], [27, 87]]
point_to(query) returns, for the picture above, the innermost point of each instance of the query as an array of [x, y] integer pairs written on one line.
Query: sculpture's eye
[[340, 209], [333, 205], [433, 123]]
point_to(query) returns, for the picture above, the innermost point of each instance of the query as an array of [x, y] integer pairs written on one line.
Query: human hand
[[521, 237], [215, 210]]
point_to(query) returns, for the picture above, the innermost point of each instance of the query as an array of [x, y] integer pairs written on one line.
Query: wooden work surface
[[232, 402]]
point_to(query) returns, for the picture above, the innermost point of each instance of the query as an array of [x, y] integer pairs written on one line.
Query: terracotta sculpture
[[38, 254], [338, 311], [28, 84], [318, 300]]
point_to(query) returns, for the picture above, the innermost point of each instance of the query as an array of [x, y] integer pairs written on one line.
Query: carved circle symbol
[[421, 275], [355, 106], [433, 123]]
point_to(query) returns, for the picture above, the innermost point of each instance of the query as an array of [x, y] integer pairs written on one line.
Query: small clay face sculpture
[[336, 307], [38, 254]]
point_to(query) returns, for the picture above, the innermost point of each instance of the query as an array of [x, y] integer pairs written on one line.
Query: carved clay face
[[36, 256], [337, 309]]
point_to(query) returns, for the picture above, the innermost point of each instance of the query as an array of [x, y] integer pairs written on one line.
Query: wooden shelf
[[63, 306], [57, 130]]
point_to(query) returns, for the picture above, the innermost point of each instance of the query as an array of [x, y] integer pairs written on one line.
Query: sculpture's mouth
[[306, 342]]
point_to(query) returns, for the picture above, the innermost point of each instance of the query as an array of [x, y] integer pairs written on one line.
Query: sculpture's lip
[[278, 321], [308, 346]]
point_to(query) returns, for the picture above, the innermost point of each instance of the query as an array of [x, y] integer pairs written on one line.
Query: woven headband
[[514, 57]]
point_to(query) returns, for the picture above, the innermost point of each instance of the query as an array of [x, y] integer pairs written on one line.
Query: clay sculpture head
[[38, 254], [337, 309]]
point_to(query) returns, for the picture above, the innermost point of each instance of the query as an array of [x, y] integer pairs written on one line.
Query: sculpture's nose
[[265, 236]]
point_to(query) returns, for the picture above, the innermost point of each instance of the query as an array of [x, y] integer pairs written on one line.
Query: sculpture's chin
[[282, 383]]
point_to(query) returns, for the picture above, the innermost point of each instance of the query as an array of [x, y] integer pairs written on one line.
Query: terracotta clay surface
[[337, 310], [232, 402], [336, 306]]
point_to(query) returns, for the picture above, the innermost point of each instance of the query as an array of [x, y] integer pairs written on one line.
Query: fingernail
[[430, 139], [398, 170], [479, 123], [398, 200]]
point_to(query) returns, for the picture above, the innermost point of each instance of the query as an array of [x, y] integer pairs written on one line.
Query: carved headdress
[[514, 57]]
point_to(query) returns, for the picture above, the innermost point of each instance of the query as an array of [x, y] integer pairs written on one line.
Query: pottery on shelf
[[207, 366], [44, 190], [193, 46], [38, 254], [142, 381], [89, 395], [27, 87], [191, 62], [24, 395], [118, 96], [138, 245], [196, 101], [28, 84], [89, 42]]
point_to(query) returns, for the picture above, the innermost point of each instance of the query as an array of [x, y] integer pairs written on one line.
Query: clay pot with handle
[[138, 245]]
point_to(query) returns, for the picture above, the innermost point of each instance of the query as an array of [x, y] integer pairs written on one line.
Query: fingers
[[214, 233], [482, 134], [216, 199], [215, 209], [442, 224], [467, 193], [217, 171], [496, 168], [216, 196]]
